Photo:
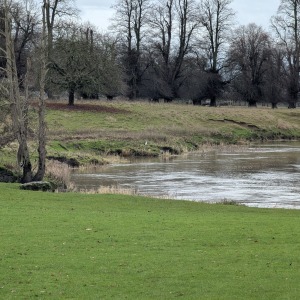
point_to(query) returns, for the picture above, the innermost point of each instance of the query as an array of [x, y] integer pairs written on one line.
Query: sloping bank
[[92, 132], [96, 132]]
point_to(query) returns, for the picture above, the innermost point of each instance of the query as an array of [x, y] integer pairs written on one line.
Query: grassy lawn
[[74, 246]]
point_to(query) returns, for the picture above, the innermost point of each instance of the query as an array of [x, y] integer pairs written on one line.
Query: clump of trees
[[192, 49], [167, 49]]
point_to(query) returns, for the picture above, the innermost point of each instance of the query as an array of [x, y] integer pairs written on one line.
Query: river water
[[259, 176]]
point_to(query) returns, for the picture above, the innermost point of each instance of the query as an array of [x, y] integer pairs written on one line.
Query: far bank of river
[[261, 176]]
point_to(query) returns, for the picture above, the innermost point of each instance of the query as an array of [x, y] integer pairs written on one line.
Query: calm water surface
[[264, 176]]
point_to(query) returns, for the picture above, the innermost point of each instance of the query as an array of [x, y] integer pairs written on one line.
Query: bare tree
[[187, 23], [274, 83], [42, 105], [18, 105], [161, 23], [130, 21], [173, 24], [217, 19], [25, 22], [55, 10], [248, 55], [109, 73], [286, 25], [72, 61], [57, 13]]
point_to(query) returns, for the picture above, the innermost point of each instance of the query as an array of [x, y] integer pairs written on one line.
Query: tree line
[[169, 49], [154, 49], [193, 50]]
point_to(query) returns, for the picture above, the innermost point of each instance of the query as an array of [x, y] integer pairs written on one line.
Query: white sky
[[98, 12]]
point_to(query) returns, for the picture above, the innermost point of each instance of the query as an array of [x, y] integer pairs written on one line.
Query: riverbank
[[62, 246], [144, 129], [96, 132]]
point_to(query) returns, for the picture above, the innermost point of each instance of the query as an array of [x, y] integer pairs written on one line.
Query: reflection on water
[[267, 176]]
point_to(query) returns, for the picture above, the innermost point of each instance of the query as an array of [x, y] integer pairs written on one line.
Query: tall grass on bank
[[60, 173], [107, 190], [75, 246]]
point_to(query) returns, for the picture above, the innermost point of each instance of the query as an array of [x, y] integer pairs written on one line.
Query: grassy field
[[94, 129], [124, 127], [74, 246]]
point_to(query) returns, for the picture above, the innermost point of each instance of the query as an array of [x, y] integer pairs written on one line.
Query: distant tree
[[110, 73], [274, 83], [216, 17], [173, 24], [86, 63], [56, 13], [25, 30], [161, 23], [286, 25], [130, 23], [248, 55], [72, 63]]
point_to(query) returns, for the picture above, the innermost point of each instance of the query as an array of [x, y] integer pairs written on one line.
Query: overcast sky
[[98, 12]]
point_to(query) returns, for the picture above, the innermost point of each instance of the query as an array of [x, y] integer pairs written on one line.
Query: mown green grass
[[74, 246]]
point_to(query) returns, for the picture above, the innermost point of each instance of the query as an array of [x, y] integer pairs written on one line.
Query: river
[[259, 176]]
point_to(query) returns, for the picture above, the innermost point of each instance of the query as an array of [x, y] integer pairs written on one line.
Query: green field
[[74, 246], [123, 127]]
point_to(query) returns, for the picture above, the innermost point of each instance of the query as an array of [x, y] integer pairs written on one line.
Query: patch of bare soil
[[85, 107]]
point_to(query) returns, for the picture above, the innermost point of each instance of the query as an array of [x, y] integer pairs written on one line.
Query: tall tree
[[286, 25], [109, 73], [55, 11], [161, 23], [173, 25], [274, 83], [57, 14], [25, 30], [217, 19], [73, 61], [17, 103], [130, 21], [43, 50], [248, 55]]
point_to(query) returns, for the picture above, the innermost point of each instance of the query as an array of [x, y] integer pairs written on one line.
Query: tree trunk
[[71, 97], [213, 101], [196, 101], [42, 107], [24, 159], [292, 105], [252, 103]]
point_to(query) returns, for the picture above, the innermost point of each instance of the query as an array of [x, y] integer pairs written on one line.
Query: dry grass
[[107, 190], [60, 173]]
